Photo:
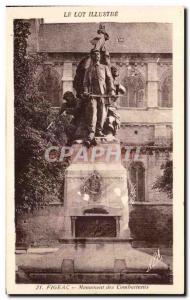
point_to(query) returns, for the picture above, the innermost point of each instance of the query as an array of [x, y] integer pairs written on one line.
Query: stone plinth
[[102, 260], [103, 151], [97, 190], [96, 244]]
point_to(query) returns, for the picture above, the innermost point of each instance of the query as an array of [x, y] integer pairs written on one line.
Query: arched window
[[166, 91], [137, 180], [49, 85], [135, 91]]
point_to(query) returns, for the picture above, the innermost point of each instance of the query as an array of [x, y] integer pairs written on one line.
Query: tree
[[164, 183], [35, 178]]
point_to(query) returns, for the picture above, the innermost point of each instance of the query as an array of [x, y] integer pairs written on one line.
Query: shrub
[[36, 180]]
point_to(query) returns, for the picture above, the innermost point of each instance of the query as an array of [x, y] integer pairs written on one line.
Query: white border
[[179, 149]]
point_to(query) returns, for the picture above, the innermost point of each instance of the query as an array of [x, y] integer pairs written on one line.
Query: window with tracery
[[49, 86], [137, 180], [135, 92], [166, 92]]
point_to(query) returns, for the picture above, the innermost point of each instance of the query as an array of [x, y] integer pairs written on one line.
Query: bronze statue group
[[94, 108]]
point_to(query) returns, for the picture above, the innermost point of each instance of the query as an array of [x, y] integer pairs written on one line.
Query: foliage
[[131, 191], [151, 224], [35, 178], [164, 183]]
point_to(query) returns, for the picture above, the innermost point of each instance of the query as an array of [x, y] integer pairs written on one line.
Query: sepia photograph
[[93, 129]]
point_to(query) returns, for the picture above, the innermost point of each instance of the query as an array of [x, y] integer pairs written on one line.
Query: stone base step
[[96, 278]]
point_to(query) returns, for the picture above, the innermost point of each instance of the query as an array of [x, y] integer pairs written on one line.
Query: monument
[[96, 243]]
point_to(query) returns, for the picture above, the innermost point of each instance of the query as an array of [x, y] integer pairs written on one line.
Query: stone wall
[[136, 134], [151, 224], [44, 227]]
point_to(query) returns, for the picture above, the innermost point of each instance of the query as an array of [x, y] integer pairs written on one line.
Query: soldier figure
[[112, 122], [97, 81], [94, 111]]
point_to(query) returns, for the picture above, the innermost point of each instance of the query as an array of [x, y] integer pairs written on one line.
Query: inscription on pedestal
[[95, 226]]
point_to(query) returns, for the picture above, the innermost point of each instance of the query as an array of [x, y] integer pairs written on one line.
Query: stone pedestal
[[97, 191], [96, 244]]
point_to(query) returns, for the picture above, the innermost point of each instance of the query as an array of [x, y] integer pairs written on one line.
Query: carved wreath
[[92, 185]]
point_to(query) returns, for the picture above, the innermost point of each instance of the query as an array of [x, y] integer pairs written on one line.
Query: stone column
[[67, 77], [152, 85]]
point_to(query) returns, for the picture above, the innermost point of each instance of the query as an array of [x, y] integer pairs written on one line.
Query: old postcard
[[95, 150]]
